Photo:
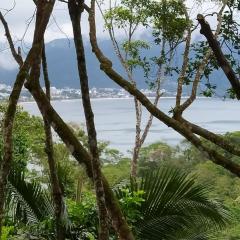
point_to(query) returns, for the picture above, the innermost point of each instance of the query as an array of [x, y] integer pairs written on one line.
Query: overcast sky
[[59, 26]]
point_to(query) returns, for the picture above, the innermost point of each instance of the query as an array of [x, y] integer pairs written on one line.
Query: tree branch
[[17, 55], [181, 108], [221, 59]]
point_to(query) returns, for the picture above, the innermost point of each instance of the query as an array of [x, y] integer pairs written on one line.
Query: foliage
[[134, 50], [165, 20], [130, 201], [169, 20], [116, 173], [28, 137], [127, 13], [65, 165], [174, 206], [154, 156], [27, 201], [6, 232], [224, 185], [42, 231], [83, 217]]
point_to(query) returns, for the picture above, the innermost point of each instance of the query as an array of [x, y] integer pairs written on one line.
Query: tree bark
[[44, 9], [75, 11], [137, 146]]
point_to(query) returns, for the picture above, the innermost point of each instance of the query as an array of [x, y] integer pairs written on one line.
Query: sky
[[59, 25]]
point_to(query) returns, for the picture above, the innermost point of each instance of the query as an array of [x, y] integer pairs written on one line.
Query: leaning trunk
[[44, 10]]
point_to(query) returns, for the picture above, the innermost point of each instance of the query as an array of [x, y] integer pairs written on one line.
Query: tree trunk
[[44, 10], [56, 189], [75, 11]]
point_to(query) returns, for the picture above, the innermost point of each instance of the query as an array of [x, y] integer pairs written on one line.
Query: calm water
[[115, 118]]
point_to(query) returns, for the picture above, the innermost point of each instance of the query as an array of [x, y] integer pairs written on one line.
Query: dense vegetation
[[186, 184]]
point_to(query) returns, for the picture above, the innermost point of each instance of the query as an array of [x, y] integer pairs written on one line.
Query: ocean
[[115, 118]]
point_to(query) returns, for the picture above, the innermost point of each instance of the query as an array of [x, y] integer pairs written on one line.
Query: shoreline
[[99, 99]]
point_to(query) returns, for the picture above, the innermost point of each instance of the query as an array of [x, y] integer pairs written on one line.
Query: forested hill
[[63, 71]]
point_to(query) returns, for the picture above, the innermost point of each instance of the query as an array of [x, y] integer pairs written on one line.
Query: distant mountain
[[61, 59]]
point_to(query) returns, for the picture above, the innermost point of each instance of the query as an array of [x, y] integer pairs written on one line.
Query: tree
[[75, 12], [29, 74], [167, 21], [57, 191], [31, 66]]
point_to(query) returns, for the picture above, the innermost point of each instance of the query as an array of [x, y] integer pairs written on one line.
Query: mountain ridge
[[62, 67]]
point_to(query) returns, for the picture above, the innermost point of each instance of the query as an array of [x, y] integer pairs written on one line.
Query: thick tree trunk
[[75, 11], [44, 10]]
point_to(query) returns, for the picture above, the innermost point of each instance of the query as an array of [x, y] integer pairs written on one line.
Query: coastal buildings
[[70, 93]]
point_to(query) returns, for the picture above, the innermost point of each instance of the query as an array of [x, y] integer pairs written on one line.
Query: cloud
[[21, 24], [7, 62], [60, 25]]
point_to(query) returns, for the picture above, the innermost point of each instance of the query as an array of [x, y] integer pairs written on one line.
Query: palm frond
[[27, 201], [175, 207]]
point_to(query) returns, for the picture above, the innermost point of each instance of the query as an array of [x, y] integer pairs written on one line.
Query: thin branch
[[10, 9], [17, 56], [56, 187], [184, 65], [60, 29], [200, 69]]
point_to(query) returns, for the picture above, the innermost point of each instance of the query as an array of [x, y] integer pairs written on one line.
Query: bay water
[[115, 118]]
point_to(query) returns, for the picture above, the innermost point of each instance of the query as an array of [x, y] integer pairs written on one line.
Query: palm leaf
[[27, 201], [175, 207]]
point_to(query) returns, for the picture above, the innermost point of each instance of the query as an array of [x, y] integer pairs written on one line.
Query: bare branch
[[179, 110], [15, 54]]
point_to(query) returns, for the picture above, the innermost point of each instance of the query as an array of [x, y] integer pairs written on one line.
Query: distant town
[[70, 93]]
